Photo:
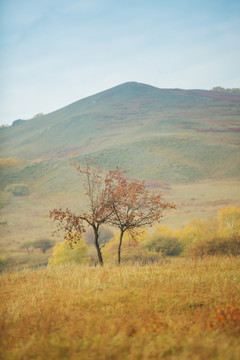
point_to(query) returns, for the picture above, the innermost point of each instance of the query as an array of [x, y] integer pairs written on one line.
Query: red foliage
[[227, 318], [132, 205], [113, 199]]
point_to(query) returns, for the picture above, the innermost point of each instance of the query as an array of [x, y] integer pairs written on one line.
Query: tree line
[[227, 90], [41, 244]]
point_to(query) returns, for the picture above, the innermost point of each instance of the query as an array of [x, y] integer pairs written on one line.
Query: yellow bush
[[11, 162], [229, 221], [64, 253]]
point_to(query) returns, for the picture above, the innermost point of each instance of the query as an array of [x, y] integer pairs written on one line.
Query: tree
[[28, 245], [132, 250], [43, 245], [38, 115], [132, 205], [97, 212]]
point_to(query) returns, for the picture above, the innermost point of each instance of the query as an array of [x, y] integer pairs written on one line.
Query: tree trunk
[[119, 247], [99, 253]]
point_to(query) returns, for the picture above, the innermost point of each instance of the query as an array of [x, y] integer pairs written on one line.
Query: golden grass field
[[179, 309]]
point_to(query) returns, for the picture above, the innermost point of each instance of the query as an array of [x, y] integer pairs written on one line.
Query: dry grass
[[169, 311]]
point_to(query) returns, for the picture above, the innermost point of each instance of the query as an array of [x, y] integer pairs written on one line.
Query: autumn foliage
[[127, 205], [115, 200], [95, 215], [132, 205]]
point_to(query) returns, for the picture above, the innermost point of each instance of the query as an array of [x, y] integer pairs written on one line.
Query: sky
[[54, 52]]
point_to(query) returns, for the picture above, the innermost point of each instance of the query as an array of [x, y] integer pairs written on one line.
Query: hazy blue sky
[[54, 52]]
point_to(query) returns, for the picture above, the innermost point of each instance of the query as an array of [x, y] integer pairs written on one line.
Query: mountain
[[182, 142], [169, 134]]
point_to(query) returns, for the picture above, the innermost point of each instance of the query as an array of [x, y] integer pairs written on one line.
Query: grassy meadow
[[177, 309]]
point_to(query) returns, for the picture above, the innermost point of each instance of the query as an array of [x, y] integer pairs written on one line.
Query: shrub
[[227, 318], [64, 253], [18, 189], [11, 162], [3, 261], [217, 246], [167, 245]]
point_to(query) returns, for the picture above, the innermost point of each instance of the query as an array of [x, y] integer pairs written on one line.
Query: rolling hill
[[184, 142], [174, 135]]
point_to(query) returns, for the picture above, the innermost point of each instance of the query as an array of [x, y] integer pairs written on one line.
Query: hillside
[[182, 142], [160, 134]]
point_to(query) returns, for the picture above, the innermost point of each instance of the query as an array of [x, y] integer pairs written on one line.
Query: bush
[[166, 245], [217, 246], [18, 189], [65, 254], [3, 261]]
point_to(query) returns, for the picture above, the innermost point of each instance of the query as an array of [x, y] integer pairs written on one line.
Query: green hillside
[[180, 135]]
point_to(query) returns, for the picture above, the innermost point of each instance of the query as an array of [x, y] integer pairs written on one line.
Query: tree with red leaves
[[97, 212], [115, 200], [131, 205]]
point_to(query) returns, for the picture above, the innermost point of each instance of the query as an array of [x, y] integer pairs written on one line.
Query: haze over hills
[[182, 142]]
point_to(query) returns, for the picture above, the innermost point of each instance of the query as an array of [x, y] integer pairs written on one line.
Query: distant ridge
[[133, 89]]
